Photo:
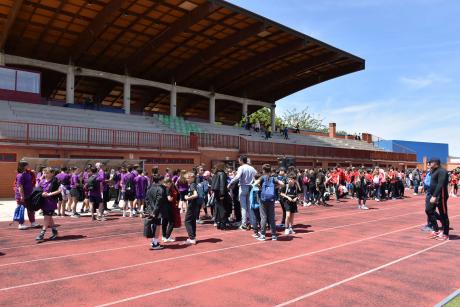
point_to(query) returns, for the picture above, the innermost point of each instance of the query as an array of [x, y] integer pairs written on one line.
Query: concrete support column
[[245, 108], [212, 109], [2, 59], [70, 84], [173, 101], [127, 95], [273, 115]]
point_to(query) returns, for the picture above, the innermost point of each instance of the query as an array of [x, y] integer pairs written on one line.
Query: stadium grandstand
[[162, 82]]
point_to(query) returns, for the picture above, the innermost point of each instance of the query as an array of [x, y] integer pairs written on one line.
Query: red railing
[[254, 147], [218, 140], [55, 134]]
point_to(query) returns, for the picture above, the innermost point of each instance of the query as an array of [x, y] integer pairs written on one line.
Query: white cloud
[[421, 82]]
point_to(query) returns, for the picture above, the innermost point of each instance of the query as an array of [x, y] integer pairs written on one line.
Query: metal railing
[[30, 133]]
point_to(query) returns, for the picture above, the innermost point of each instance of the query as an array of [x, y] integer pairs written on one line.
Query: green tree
[[304, 119], [264, 117]]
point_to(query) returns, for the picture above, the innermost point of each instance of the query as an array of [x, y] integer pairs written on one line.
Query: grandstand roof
[[204, 44]]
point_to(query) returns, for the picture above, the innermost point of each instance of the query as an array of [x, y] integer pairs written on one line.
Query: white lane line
[[302, 297], [448, 298], [210, 235], [175, 258], [196, 282]]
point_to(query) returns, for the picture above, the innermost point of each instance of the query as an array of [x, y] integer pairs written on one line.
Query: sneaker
[[308, 204], [287, 232], [101, 219], [255, 235], [442, 237], [156, 247], [54, 233], [359, 206], [170, 240], [434, 234], [164, 239], [377, 200], [291, 231], [261, 238], [363, 207], [215, 224], [35, 225], [199, 221], [243, 227], [281, 225], [415, 194], [41, 236], [75, 215], [274, 238], [23, 227], [426, 228], [190, 242]]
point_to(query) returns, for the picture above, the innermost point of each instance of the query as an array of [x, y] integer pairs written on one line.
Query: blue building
[[422, 149]]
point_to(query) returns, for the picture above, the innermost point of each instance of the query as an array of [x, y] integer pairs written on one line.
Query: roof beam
[[255, 62], [181, 25], [95, 28], [285, 89], [9, 22], [186, 70], [277, 76]]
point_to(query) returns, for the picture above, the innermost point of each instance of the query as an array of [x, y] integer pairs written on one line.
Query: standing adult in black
[[439, 195], [220, 190]]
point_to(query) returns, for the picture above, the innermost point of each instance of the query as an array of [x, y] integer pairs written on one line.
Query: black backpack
[[91, 185], [35, 200]]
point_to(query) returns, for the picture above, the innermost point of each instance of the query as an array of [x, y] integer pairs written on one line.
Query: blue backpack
[[268, 190]]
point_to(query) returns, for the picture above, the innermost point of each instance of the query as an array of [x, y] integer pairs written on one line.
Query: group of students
[[244, 198]]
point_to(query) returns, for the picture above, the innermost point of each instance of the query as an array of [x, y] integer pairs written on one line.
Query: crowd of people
[[243, 198]]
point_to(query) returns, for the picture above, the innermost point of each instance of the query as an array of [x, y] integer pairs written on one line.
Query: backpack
[[254, 198], [91, 185], [129, 186], [34, 202], [201, 189], [268, 190]]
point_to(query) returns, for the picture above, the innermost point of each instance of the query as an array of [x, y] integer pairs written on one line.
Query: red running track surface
[[339, 256]]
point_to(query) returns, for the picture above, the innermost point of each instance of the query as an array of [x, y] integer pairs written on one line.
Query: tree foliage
[[290, 118]]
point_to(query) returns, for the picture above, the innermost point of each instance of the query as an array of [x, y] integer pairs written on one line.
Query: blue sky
[[410, 89]]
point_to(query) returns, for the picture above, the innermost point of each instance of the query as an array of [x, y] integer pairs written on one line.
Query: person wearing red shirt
[[454, 184]]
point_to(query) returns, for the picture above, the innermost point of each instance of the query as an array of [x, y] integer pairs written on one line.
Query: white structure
[[71, 71]]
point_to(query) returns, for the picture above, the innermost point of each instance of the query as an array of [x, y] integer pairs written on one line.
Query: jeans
[[416, 185], [267, 215], [243, 195], [256, 220], [190, 219]]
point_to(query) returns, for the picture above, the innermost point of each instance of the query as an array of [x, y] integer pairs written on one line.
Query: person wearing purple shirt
[[64, 203], [95, 194], [24, 186], [116, 179], [128, 190], [104, 183], [74, 191], [51, 190], [84, 180], [141, 184]]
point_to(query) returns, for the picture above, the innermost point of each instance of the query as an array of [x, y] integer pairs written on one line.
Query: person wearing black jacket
[[157, 208], [439, 195], [220, 190]]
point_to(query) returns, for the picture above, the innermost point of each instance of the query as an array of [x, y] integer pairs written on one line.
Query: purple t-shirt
[[64, 179], [24, 180], [74, 180], [116, 180], [182, 186], [85, 177], [105, 185], [49, 203], [125, 178], [140, 183]]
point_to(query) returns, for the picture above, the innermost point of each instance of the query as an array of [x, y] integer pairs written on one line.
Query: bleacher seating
[[178, 124], [46, 114]]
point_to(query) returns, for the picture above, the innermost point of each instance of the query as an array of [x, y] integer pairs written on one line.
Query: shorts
[[48, 212], [128, 196], [182, 195], [291, 207], [59, 197], [65, 192], [74, 193], [140, 197], [95, 199]]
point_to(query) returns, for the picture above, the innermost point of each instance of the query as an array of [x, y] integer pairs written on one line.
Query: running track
[[339, 256]]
